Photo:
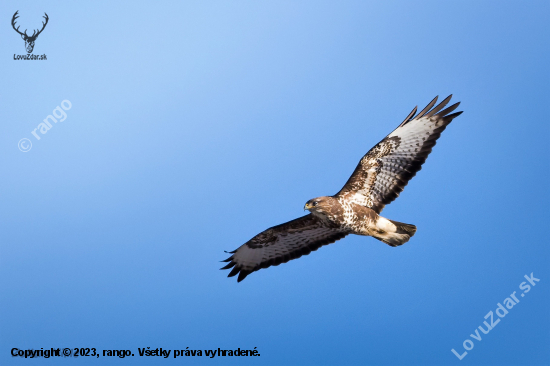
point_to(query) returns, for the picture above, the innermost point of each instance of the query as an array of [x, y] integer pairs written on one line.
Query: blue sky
[[196, 125]]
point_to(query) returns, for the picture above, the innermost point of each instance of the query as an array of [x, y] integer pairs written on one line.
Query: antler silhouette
[[29, 40], [15, 16], [43, 26], [34, 34]]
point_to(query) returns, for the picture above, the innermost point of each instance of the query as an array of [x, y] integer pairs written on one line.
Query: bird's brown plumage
[[378, 179]]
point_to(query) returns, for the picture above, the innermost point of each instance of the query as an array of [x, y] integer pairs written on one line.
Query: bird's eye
[[314, 203]]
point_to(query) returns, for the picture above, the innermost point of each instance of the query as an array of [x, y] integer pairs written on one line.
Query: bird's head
[[319, 205]]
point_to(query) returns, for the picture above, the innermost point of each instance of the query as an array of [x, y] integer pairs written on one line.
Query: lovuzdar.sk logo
[[29, 40]]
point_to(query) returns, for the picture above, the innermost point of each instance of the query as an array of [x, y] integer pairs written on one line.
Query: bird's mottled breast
[[336, 213], [356, 217]]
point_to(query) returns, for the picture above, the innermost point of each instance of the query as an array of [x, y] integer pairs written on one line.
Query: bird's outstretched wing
[[385, 170], [281, 243]]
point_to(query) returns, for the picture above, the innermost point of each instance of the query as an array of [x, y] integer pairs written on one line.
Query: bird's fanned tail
[[397, 234], [378, 179]]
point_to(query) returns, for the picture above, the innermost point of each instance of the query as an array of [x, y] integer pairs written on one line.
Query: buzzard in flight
[[378, 179]]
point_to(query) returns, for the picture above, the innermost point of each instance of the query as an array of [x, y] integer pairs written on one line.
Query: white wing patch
[[387, 168], [377, 180]]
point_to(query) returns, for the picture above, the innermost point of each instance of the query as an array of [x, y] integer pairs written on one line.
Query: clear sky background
[[196, 125]]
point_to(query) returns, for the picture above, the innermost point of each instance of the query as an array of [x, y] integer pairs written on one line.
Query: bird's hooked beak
[[307, 206]]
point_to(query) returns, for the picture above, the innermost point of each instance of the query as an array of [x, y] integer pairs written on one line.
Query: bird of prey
[[378, 179]]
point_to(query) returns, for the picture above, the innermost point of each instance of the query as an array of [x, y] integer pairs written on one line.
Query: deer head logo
[[29, 40]]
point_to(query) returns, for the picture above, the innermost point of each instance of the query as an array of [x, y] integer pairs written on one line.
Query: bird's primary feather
[[378, 179]]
